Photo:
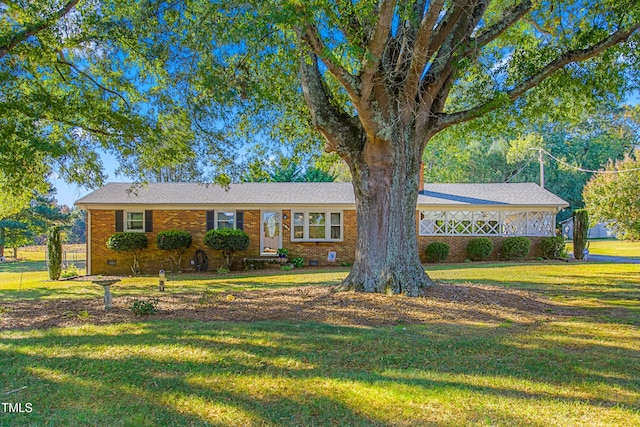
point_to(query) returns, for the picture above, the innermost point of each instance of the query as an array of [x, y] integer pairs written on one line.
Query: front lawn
[[611, 247], [494, 344]]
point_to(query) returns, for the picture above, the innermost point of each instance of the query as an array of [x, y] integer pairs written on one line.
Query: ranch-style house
[[309, 219]]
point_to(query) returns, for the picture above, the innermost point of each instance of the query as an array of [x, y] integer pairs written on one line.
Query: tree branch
[[349, 82], [571, 56], [337, 127], [445, 61], [510, 17], [63, 61], [422, 43], [35, 29], [376, 46]]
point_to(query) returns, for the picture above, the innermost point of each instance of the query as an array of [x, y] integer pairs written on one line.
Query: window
[[225, 219], [135, 221], [316, 226]]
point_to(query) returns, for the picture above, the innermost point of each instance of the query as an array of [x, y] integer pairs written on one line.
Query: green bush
[[54, 249], [515, 248], [479, 249], [552, 247], [298, 262], [69, 272], [228, 241], [131, 245], [437, 252], [176, 242], [144, 307]]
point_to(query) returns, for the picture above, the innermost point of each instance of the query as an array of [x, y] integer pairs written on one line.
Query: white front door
[[271, 232]]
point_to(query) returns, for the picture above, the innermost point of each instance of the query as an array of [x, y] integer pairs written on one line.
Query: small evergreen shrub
[[54, 248], [580, 232], [479, 249], [437, 251], [176, 242], [552, 247], [131, 245], [286, 268], [515, 248], [222, 270], [298, 262], [228, 241]]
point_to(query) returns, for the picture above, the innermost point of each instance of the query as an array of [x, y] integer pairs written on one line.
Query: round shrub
[[130, 243], [479, 249], [127, 241], [552, 247], [173, 239], [228, 241], [437, 251], [515, 248], [176, 242]]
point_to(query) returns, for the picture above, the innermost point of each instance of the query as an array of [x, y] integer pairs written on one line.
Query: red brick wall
[[154, 259]]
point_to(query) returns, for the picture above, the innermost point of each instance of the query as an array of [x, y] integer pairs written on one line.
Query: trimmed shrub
[[515, 248], [479, 249], [228, 241], [176, 242], [54, 249], [552, 247], [437, 252], [131, 245]]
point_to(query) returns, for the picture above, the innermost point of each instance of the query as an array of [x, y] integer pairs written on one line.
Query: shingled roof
[[310, 193]]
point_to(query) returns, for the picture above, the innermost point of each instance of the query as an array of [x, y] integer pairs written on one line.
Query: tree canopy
[[613, 196], [470, 153], [376, 79]]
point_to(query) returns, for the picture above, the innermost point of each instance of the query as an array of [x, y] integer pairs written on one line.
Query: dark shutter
[[211, 220], [240, 220], [119, 221], [148, 221]]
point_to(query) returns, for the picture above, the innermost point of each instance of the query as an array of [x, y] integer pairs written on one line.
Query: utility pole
[[541, 160]]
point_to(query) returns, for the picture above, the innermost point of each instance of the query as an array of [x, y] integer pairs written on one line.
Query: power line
[[542, 150]]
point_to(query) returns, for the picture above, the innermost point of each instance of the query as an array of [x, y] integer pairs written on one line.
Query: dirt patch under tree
[[444, 303]]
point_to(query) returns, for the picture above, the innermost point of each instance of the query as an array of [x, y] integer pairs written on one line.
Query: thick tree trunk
[[385, 180]]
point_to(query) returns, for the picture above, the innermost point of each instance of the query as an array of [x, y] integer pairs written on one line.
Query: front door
[[270, 235]]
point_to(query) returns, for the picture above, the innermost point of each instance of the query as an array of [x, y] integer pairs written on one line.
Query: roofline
[[257, 206]]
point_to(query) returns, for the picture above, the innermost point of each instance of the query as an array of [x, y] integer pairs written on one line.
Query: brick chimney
[[421, 178]]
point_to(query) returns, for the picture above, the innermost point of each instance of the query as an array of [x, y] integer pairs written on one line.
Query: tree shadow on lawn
[[189, 373]]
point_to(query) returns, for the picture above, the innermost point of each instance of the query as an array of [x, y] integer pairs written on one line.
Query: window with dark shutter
[[211, 220], [240, 220], [119, 221], [148, 221]]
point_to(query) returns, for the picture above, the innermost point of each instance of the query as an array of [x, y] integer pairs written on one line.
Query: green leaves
[[614, 197]]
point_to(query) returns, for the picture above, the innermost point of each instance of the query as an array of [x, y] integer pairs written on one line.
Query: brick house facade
[[309, 219]]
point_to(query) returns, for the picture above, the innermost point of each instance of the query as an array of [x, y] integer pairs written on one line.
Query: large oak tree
[[381, 78]]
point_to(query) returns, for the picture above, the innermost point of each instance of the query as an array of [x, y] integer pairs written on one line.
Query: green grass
[[582, 371], [611, 247], [274, 373]]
